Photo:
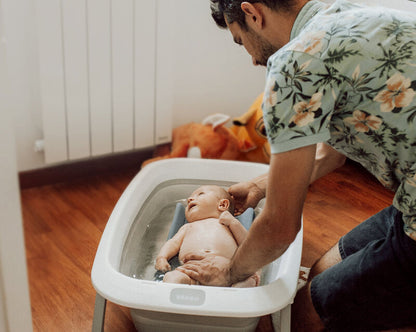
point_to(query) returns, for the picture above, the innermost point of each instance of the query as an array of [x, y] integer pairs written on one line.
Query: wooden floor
[[63, 224]]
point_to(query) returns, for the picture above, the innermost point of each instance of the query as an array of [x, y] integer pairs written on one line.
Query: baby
[[211, 230]]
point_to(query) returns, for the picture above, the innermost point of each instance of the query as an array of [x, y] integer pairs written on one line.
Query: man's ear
[[254, 14], [223, 204]]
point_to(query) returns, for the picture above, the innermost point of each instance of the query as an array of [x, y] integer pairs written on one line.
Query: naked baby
[[211, 230]]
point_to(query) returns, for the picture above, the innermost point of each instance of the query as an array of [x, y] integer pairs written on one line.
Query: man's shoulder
[[339, 36]]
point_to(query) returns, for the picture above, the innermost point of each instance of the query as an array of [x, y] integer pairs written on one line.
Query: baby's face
[[202, 204]]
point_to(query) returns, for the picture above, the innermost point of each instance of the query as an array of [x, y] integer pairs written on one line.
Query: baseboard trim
[[83, 168]]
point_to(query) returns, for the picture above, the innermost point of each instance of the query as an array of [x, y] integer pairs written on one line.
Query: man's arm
[[277, 226]]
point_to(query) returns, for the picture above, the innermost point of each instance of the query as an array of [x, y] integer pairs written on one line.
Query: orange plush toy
[[245, 140], [251, 134], [207, 140]]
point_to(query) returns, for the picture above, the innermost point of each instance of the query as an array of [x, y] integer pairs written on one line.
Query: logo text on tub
[[187, 296]]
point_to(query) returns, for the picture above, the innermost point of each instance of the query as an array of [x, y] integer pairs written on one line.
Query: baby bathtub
[[123, 267]]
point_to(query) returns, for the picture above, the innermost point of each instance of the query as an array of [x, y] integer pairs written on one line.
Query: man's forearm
[[260, 248], [278, 224]]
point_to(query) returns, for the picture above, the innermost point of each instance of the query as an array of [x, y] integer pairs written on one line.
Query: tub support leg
[[99, 314], [285, 318]]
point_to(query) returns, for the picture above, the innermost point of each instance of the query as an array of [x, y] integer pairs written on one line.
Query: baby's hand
[[226, 218], [162, 264]]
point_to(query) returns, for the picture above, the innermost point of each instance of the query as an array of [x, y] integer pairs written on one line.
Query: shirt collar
[[309, 10]]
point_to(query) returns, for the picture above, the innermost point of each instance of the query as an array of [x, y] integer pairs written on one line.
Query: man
[[341, 81]]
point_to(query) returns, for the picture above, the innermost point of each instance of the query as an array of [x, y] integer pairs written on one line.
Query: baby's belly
[[224, 247]]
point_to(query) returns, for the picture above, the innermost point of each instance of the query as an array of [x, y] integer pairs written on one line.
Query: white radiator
[[100, 90]]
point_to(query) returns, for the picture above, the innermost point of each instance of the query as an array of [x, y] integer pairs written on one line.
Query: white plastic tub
[[123, 266]]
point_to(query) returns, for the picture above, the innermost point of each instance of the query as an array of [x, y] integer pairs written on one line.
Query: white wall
[[18, 23], [15, 311], [210, 73], [15, 314]]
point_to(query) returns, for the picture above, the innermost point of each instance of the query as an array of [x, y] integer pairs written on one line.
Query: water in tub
[[151, 226]]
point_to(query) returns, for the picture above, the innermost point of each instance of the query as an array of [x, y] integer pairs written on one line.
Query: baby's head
[[208, 202]]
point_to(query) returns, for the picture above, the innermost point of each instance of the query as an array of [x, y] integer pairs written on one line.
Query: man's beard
[[266, 49]]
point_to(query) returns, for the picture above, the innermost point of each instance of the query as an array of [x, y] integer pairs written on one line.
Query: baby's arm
[[236, 228], [170, 249]]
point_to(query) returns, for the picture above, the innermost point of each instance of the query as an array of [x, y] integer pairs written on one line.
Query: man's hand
[[207, 270], [245, 195]]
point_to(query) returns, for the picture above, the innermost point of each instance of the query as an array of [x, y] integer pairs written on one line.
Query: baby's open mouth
[[191, 205]]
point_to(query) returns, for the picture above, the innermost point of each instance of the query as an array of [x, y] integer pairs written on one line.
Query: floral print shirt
[[348, 78]]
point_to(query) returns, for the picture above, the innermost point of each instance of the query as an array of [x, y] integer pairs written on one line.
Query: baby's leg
[[177, 277], [252, 281]]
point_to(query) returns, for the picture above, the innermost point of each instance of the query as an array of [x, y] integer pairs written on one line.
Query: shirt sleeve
[[299, 99]]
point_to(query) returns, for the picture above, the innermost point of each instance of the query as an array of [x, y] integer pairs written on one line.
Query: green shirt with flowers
[[348, 78]]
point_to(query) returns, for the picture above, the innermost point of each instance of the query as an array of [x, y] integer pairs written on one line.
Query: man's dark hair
[[232, 10]]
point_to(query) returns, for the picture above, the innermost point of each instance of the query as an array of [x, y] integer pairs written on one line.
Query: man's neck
[[278, 24]]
